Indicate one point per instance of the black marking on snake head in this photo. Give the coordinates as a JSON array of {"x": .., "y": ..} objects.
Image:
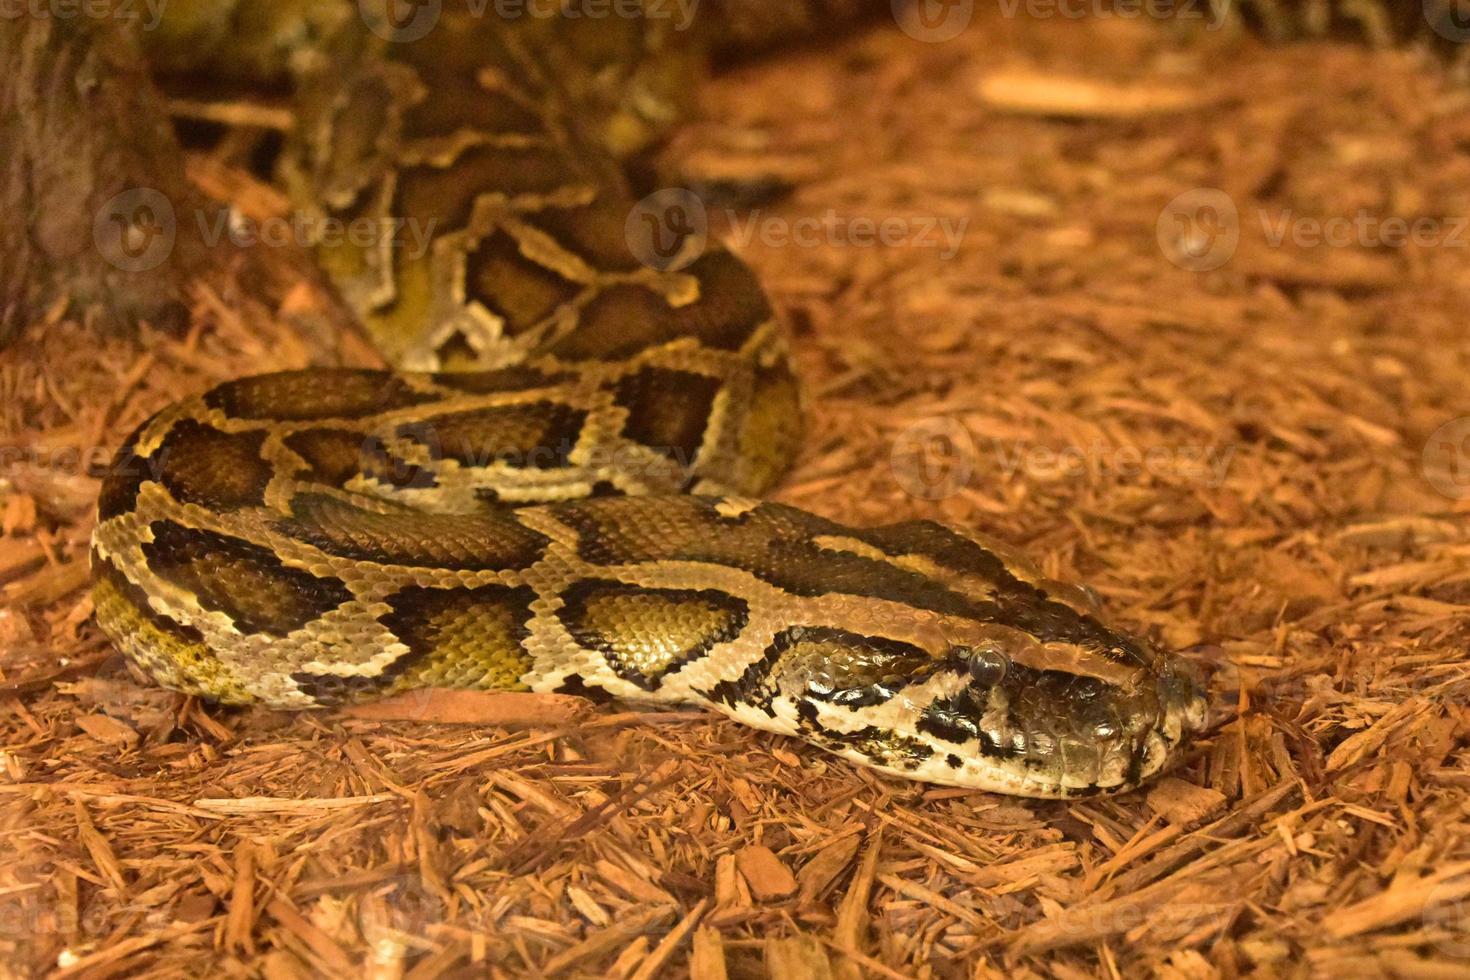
[
  {"x": 956, "y": 720},
  {"x": 883, "y": 746},
  {"x": 849, "y": 670}
]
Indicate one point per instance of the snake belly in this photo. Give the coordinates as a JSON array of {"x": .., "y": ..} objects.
[{"x": 580, "y": 513}]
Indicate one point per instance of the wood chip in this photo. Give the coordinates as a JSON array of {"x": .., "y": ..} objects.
[
  {"x": 797, "y": 958},
  {"x": 769, "y": 879},
  {"x": 109, "y": 730},
  {"x": 1257, "y": 464},
  {"x": 1048, "y": 94},
  {"x": 1180, "y": 802},
  {"x": 450, "y": 707}
]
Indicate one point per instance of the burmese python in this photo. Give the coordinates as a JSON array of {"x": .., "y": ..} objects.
[{"x": 573, "y": 515}]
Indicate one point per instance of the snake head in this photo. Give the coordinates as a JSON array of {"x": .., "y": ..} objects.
[
  {"x": 1052, "y": 718},
  {"x": 993, "y": 677}
]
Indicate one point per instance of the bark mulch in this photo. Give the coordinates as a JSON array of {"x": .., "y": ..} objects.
[{"x": 1244, "y": 422}]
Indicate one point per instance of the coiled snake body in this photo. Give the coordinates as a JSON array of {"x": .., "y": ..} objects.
[{"x": 578, "y": 515}]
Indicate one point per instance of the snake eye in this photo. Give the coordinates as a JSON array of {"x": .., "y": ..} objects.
[{"x": 987, "y": 664}]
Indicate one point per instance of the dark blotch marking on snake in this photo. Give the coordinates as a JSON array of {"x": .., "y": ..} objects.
[
  {"x": 460, "y": 637},
  {"x": 539, "y": 435},
  {"x": 332, "y": 456},
  {"x": 246, "y": 582},
  {"x": 461, "y": 542},
  {"x": 224, "y": 471},
  {"x": 125, "y": 477},
  {"x": 519, "y": 291},
  {"x": 320, "y": 393},
  {"x": 1016, "y": 603},
  {"x": 667, "y": 410},
  {"x": 881, "y": 745},
  {"x": 646, "y": 634}
]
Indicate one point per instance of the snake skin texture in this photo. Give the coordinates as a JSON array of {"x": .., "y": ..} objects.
[{"x": 578, "y": 513}]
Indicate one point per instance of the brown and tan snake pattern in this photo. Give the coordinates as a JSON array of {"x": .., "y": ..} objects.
[{"x": 579, "y": 512}]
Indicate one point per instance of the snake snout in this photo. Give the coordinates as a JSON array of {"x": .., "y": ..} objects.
[{"x": 1182, "y": 695}]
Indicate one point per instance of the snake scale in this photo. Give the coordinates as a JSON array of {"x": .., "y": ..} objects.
[{"x": 580, "y": 511}]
